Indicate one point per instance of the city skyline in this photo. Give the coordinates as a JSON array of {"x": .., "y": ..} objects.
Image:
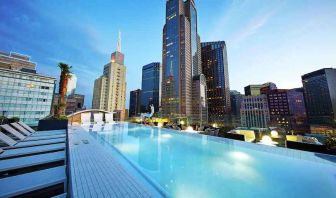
[{"x": 286, "y": 38}]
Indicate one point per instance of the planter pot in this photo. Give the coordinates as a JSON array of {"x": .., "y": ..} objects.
[{"x": 46, "y": 125}]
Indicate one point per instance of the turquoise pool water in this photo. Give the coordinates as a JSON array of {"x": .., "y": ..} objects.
[{"x": 198, "y": 166}]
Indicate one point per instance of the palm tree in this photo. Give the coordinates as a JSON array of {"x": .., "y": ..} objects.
[{"x": 65, "y": 76}]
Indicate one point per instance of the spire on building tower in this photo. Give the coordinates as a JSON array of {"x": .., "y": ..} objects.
[{"x": 119, "y": 42}]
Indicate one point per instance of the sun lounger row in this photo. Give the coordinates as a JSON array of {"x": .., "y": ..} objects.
[
  {"x": 28, "y": 140},
  {"x": 32, "y": 164},
  {"x": 97, "y": 118}
]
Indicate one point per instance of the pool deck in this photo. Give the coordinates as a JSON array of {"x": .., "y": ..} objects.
[{"x": 97, "y": 172}]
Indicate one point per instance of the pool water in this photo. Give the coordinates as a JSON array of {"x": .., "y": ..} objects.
[{"x": 197, "y": 166}]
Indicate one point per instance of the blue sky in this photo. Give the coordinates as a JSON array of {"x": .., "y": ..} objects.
[{"x": 276, "y": 40}]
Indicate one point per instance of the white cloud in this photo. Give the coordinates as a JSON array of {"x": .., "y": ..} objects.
[{"x": 252, "y": 28}]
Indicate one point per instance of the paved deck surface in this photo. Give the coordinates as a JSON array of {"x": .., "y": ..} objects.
[{"x": 96, "y": 172}]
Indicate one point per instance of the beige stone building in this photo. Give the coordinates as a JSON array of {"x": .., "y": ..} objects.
[{"x": 109, "y": 91}]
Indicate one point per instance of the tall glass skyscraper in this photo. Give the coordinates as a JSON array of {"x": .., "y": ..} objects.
[
  {"x": 215, "y": 69},
  {"x": 236, "y": 100},
  {"x": 150, "y": 86},
  {"x": 320, "y": 96},
  {"x": 134, "y": 103},
  {"x": 181, "y": 59}
]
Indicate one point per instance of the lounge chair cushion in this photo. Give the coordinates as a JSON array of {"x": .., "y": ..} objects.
[
  {"x": 26, "y": 127},
  {"x": 22, "y": 162},
  {"x": 108, "y": 117},
  {"x": 98, "y": 117},
  {"x": 16, "y": 152},
  {"x": 13, "y": 131},
  {"x": 85, "y": 117},
  {"x": 7, "y": 140},
  {"x": 25, "y": 183},
  {"x": 21, "y": 129}
]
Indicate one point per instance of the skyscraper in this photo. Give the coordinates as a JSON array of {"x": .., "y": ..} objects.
[
  {"x": 151, "y": 86},
  {"x": 320, "y": 96},
  {"x": 72, "y": 84},
  {"x": 257, "y": 89},
  {"x": 199, "y": 101},
  {"x": 215, "y": 69},
  {"x": 255, "y": 112},
  {"x": 236, "y": 99},
  {"x": 298, "y": 120},
  {"x": 23, "y": 93},
  {"x": 74, "y": 103},
  {"x": 255, "y": 109},
  {"x": 135, "y": 101},
  {"x": 180, "y": 57},
  {"x": 110, "y": 89},
  {"x": 279, "y": 107}
]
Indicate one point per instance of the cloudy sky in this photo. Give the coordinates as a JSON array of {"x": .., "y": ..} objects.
[{"x": 276, "y": 40}]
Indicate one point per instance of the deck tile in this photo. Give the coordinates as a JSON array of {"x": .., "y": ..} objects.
[{"x": 95, "y": 172}]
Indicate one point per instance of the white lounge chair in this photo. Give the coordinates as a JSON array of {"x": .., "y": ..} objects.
[
  {"x": 19, "y": 152},
  {"x": 40, "y": 133},
  {"x": 14, "y": 144},
  {"x": 109, "y": 117},
  {"x": 86, "y": 118},
  {"x": 27, "y": 132},
  {"x": 25, "y": 183},
  {"x": 29, "y": 161},
  {"x": 107, "y": 127},
  {"x": 96, "y": 128},
  {"x": 21, "y": 137},
  {"x": 98, "y": 118}
]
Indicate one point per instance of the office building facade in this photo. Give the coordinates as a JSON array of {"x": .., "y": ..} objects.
[
  {"x": 257, "y": 89},
  {"x": 151, "y": 87},
  {"x": 74, "y": 103},
  {"x": 180, "y": 58},
  {"x": 279, "y": 108},
  {"x": 135, "y": 103},
  {"x": 287, "y": 109},
  {"x": 254, "y": 112},
  {"x": 236, "y": 99},
  {"x": 23, "y": 93},
  {"x": 199, "y": 101},
  {"x": 109, "y": 92},
  {"x": 298, "y": 116},
  {"x": 215, "y": 69},
  {"x": 320, "y": 96},
  {"x": 16, "y": 61}
]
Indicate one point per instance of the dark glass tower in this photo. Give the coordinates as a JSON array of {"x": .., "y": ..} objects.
[
  {"x": 236, "y": 99},
  {"x": 150, "y": 86},
  {"x": 215, "y": 69},
  {"x": 180, "y": 57},
  {"x": 191, "y": 14},
  {"x": 320, "y": 96},
  {"x": 134, "y": 106}
]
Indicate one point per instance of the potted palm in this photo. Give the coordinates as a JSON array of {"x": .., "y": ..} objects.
[{"x": 58, "y": 120}]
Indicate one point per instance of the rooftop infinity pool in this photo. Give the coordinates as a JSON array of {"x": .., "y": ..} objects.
[{"x": 193, "y": 165}]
